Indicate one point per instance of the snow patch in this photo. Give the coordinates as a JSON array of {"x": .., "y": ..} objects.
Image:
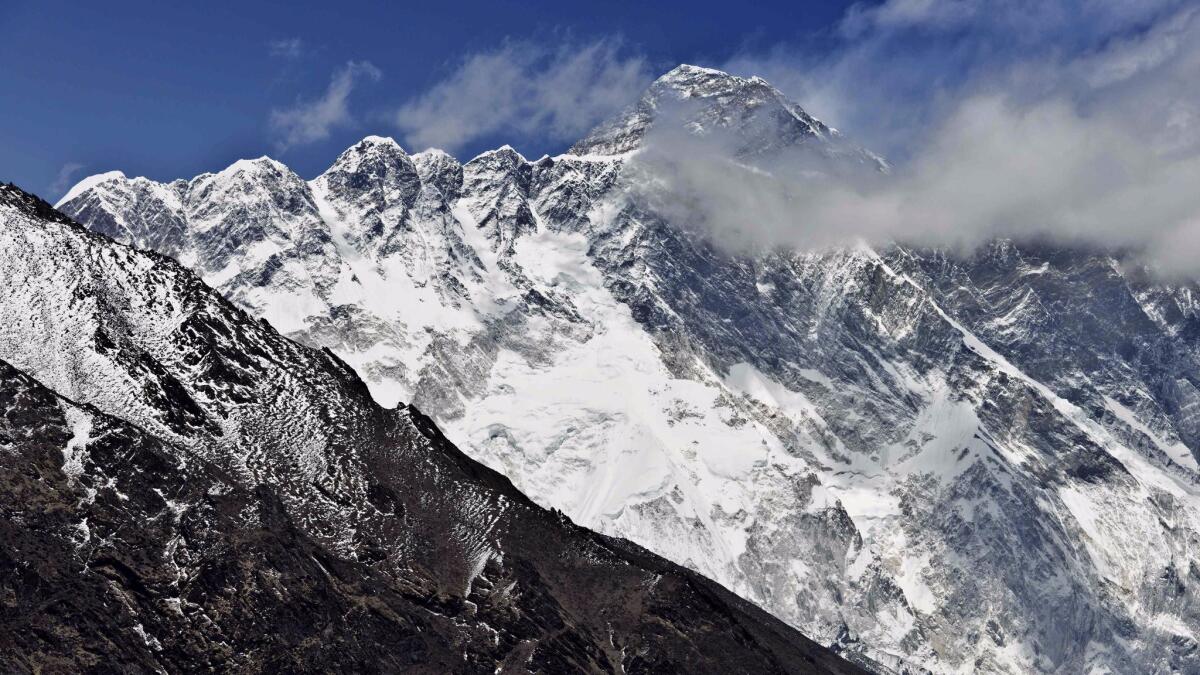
[{"x": 75, "y": 451}]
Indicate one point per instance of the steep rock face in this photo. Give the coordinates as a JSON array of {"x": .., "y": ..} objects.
[
  {"x": 1125, "y": 353},
  {"x": 496, "y": 185},
  {"x": 439, "y": 170},
  {"x": 254, "y": 206},
  {"x": 135, "y": 210},
  {"x": 947, "y": 459},
  {"x": 211, "y": 495},
  {"x": 373, "y": 186},
  {"x": 951, "y": 464}
]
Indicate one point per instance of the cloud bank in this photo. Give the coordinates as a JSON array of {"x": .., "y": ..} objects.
[
  {"x": 311, "y": 121},
  {"x": 525, "y": 91},
  {"x": 1029, "y": 126}
]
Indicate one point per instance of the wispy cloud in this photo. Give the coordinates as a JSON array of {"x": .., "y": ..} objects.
[
  {"x": 897, "y": 68},
  {"x": 64, "y": 178},
  {"x": 310, "y": 121},
  {"x": 525, "y": 90},
  {"x": 1015, "y": 22},
  {"x": 286, "y": 48}
]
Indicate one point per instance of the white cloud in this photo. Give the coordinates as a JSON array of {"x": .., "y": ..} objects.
[
  {"x": 286, "y": 48},
  {"x": 1097, "y": 145},
  {"x": 934, "y": 14},
  {"x": 895, "y": 69},
  {"x": 527, "y": 91},
  {"x": 310, "y": 121},
  {"x": 1016, "y": 21},
  {"x": 63, "y": 180},
  {"x": 994, "y": 169}
]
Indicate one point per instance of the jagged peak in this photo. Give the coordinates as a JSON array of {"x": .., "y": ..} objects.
[
  {"x": 439, "y": 169},
  {"x": 253, "y": 166},
  {"x": 89, "y": 183},
  {"x": 256, "y": 175},
  {"x": 720, "y": 99},
  {"x": 434, "y": 154},
  {"x": 371, "y": 151},
  {"x": 697, "y": 80},
  {"x": 688, "y": 70},
  {"x": 433, "y": 159},
  {"x": 378, "y": 140},
  {"x": 261, "y": 170},
  {"x": 505, "y": 153},
  {"x": 385, "y": 145}
]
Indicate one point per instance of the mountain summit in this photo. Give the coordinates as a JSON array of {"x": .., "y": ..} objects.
[
  {"x": 705, "y": 100},
  {"x": 749, "y": 115}
]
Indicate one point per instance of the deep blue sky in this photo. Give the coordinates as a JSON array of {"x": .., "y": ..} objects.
[{"x": 167, "y": 90}]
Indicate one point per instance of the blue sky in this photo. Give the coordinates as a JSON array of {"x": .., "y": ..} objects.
[
  {"x": 173, "y": 89},
  {"x": 1069, "y": 119}
]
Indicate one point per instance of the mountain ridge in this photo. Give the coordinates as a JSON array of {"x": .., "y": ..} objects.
[
  {"x": 214, "y": 476},
  {"x": 870, "y": 443}
]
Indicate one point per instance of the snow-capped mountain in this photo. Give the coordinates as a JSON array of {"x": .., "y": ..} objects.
[
  {"x": 185, "y": 489},
  {"x": 960, "y": 464}
]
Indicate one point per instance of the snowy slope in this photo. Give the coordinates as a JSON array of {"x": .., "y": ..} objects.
[{"x": 955, "y": 464}]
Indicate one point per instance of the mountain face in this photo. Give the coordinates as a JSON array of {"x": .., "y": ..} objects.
[
  {"x": 185, "y": 489},
  {"x": 983, "y": 463}
]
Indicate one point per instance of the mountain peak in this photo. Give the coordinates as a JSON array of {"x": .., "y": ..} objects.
[
  {"x": 689, "y": 70},
  {"x": 704, "y": 100},
  {"x": 440, "y": 169},
  {"x": 89, "y": 183},
  {"x": 370, "y": 175},
  {"x": 385, "y": 146},
  {"x": 377, "y": 140},
  {"x": 253, "y": 167},
  {"x": 686, "y": 81},
  {"x": 433, "y": 154},
  {"x": 686, "y": 75},
  {"x": 506, "y": 155},
  {"x": 374, "y": 154}
]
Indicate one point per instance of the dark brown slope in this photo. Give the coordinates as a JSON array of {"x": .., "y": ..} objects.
[{"x": 239, "y": 503}]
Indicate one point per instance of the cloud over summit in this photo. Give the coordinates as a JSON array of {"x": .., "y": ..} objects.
[
  {"x": 312, "y": 120},
  {"x": 525, "y": 90},
  {"x": 1094, "y": 141}
]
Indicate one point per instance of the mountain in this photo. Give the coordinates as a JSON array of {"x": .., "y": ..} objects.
[
  {"x": 982, "y": 462},
  {"x": 185, "y": 489},
  {"x": 755, "y": 117}
]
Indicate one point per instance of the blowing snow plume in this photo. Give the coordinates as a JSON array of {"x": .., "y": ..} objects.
[{"x": 524, "y": 90}]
